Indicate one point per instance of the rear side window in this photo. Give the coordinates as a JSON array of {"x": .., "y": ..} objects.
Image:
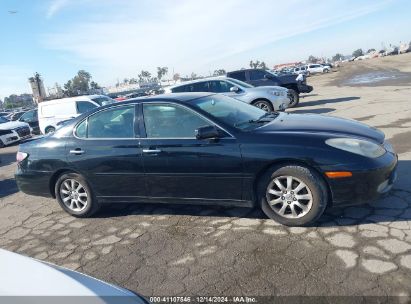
[
  {"x": 112, "y": 123},
  {"x": 219, "y": 86},
  {"x": 84, "y": 106},
  {"x": 237, "y": 75},
  {"x": 257, "y": 75}
]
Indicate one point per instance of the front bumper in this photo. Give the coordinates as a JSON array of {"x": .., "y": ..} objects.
[
  {"x": 364, "y": 185},
  {"x": 305, "y": 88}
]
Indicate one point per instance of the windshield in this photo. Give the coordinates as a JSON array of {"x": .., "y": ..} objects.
[
  {"x": 233, "y": 112},
  {"x": 240, "y": 83},
  {"x": 2, "y": 119},
  {"x": 103, "y": 100}
]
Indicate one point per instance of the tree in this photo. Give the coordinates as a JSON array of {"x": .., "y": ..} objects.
[
  {"x": 80, "y": 84},
  {"x": 94, "y": 85},
  {"x": 358, "y": 53},
  {"x": 370, "y": 50},
  {"x": 144, "y": 76},
  {"x": 258, "y": 65},
  {"x": 161, "y": 71},
  {"x": 193, "y": 75},
  {"x": 126, "y": 81},
  {"x": 132, "y": 81},
  {"x": 313, "y": 59},
  {"x": 338, "y": 57},
  {"x": 176, "y": 77},
  {"x": 219, "y": 72}
]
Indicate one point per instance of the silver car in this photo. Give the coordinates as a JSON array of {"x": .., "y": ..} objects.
[{"x": 269, "y": 98}]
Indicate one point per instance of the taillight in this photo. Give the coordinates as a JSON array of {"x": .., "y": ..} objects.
[{"x": 21, "y": 156}]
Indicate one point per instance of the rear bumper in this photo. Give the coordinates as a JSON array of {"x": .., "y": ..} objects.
[
  {"x": 33, "y": 183},
  {"x": 366, "y": 185}
]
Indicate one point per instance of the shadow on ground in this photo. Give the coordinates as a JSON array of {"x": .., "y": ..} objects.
[
  {"x": 316, "y": 111},
  {"x": 393, "y": 207},
  {"x": 327, "y": 101}
]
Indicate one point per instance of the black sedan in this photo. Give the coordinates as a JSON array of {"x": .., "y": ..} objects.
[{"x": 208, "y": 149}]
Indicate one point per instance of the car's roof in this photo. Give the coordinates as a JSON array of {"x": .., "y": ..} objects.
[
  {"x": 183, "y": 97},
  {"x": 244, "y": 70},
  {"x": 201, "y": 80},
  {"x": 70, "y": 99}
]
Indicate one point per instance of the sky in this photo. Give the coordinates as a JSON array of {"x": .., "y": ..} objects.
[{"x": 116, "y": 39}]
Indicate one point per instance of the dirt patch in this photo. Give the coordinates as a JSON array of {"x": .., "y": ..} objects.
[
  {"x": 401, "y": 142},
  {"x": 386, "y": 71},
  {"x": 397, "y": 124}
]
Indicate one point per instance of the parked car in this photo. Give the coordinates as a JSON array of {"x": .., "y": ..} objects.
[
  {"x": 300, "y": 70},
  {"x": 13, "y": 131},
  {"x": 28, "y": 278},
  {"x": 316, "y": 69},
  {"x": 4, "y": 114},
  {"x": 31, "y": 117},
  {"x": 260, "y": 77},
  {"x": 15, "y": 115},
  {"x": 328, "y": 65},
  {"x": 266, "y": 98},
  {"x": 52, "y": 111},
  {"x": 203, "y": 148},
  {"x": 135, "y": 95}
]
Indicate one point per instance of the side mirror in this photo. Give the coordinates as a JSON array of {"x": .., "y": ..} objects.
[
  {"x": 234, "y": 89},
  {"x": 207, "y": 132}
]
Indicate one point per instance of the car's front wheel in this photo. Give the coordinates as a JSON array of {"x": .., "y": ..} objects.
[
  {"x": 295, "y": 98},
  {"x": 263, "y": 105},
  {"x": 75, "y": 195},
  {"x": 50, "y": 130},
  {"x": 293, "y": 195}
]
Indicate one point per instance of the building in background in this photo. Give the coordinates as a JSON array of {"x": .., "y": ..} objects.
[{"x": 37, "y": 87}]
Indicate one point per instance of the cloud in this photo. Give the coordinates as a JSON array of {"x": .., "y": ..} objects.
[
  {"x": 55, "y": 7},
  {"x": 191, "y": 35}
]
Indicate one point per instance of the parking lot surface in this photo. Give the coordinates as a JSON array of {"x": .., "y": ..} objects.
[{"x": 189, "y": 250}]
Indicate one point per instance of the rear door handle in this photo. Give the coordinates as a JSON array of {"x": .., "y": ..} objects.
[
  {"x": 151, "y": 151},
  {"x": 76, "y": 151}
]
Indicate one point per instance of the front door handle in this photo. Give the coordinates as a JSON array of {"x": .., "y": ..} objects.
[
  {"x": 76, "y": 151},
  {"x": 151, "y": 151}
]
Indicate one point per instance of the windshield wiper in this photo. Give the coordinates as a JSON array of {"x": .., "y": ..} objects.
[{"x": 263, "y": 118}]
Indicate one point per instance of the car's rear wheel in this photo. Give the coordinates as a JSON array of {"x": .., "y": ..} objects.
[
  {"x": 264, "y": 105},
  {"x": 2, "y": 145},
  {"x": 50, "y": 130},
  {"x": 295, "y": 98},
  {"x": 75, "y": 196},
  {"x": 293, "y": 195}
]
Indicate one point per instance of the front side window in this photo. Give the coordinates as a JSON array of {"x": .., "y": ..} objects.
[
  {"x": 112, "y": 123},
  {"x": 84, "y": 106},
  {"x": 29, "y": 116},
  {"x": 238, "y": 75},
  {"x": 171, "y": 121},
  {"x": 257, "y": 75}
]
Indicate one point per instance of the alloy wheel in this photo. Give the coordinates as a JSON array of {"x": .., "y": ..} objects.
[
  {"x": 289, "y": 197},
  {"x": 74, "y": 195},
  {"x": 262, "y": 106}
]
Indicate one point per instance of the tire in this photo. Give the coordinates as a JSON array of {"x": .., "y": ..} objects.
[
  {"x": 295, "y": 98},
  {"x": 49, "y": 130},
  {"x": 308, "y": 73},
  {"x": 2, "y": 145},
  {"x": 315, "y": 189},
  {"x": 264, "y": 105},
  {"x": 326, "y": 70},
  {"x": 80, "y": 205}
]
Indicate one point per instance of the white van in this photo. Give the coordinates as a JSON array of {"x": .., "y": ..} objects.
[{"x": 54, "y": 111}]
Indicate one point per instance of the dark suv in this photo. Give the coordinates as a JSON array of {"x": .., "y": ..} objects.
[{"x": 260, "y": 77}]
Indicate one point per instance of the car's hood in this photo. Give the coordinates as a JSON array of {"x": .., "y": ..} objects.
[
  {"x": 12, "y": 125},
  {"x": 315, "y": 123},
  {"x": 23, "y": 276}
]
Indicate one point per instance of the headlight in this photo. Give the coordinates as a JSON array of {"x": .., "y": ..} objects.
[{"x": 357, "y": 146}]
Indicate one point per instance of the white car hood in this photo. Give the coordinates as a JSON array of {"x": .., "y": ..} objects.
[
  {"x": 12, "y": 125},
  {"x": 23, "y": 276}
]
